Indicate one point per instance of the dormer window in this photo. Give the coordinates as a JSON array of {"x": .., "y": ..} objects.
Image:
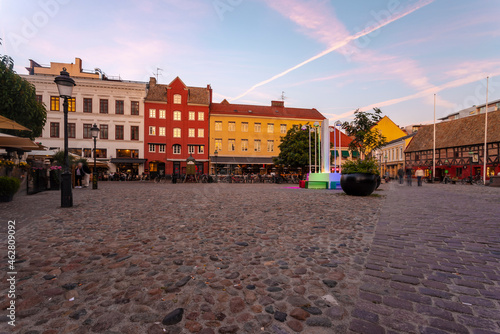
[{"x": 177, "y": 99}]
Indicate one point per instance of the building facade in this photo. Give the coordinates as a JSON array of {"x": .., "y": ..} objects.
[
  {"x": 459, "y": 146},
  {"x": 391, "y": 156},
  {"x": 176, "y": 127},
  {"x": 246, "y": 138},
  {"x": 115, "y": 106}
]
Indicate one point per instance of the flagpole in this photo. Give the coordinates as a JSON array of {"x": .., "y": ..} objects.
[
  {"x": 485, "y": 154},
  {"x": 434, "y": 144}
]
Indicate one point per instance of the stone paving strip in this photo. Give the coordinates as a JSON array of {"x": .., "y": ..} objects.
[
  {"x": 210, "y": 258},
  {"x": 434, "y": 264}
]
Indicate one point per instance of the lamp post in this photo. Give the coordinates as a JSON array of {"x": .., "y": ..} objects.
[
  {"x": 339, "y": 124},
  {"x": 65, "y": 86},
  {"x": 94, "y": 130},
  {"x": 308, "y": 128},
  {"x": 316, "y": 125},
  {"x": 334, "y": 151}
]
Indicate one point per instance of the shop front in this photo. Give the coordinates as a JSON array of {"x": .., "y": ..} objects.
[
  {"x": 241, "y": 165},
  {"x": 130, "y": 168}
]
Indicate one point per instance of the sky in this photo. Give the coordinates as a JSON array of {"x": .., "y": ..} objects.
[{"x": 335, "y": 56}]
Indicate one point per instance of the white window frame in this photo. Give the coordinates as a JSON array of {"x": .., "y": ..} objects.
[
  {"x": 177, "y": 98},
  {"x": 218, "y": 125},
  {"x": 152, "y": 130},
  {"x": 231, "y": 126},
  {"x": 174, "y": 147},
  {"x": 191, "y": 132},
  {"x": 161, "y": 148},
  {"x": 257, "y": 127},
  {"x": 177, "y": 115},
  {"x": 257, "y": 147},
  {"x": 191, "y": 116},
  {"x": 201, "y": 149},
  {"x": 177, "y": 133},
  {"x": 152, "y": 148},
  {"x": 231, "y": 145},
  {"x": 162, "y": 131},
  {"x": 270, "y": 127},
  {"x": 244, "y": 126},
  {"x": 201, "y": 133},
  {"x": 218, "y": 144},
  {"x": 152, "y": 113},
  {"x": 162, "y": 113},
  {"x": 244, "y": 148},
  {"x": 201, "y": 116},
  {"x": 283, "y": 129},
  {"x": 191, "y": 149},
  {"x": 270, "y": 142}
]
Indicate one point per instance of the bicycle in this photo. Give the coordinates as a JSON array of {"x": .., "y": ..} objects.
[{"x": 160, "y": 179}]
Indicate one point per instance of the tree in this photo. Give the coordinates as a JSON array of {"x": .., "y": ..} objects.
[
  {"x": 18, "y": 101},
  {"x": 294, "y": 148},
  {"x": 365, "y": 138}
]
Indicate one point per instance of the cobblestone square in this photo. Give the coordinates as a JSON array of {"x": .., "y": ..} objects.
[{"x": 255, "y": 258}]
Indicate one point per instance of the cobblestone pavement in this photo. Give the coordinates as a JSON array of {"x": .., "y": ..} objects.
[
  {"x": 237, "y": 258},
  {"x": 434, "y": 264}
]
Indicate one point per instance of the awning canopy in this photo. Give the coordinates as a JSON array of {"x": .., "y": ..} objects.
[
  {"x": 18, "y": 143},
  {"x": 345, "y": 154},
  {"x": 355, "y": 154},
  {"x": 127, "y": 161},
  {"x": 6, "y": 123},
  {"x": 242, "y": 160}
]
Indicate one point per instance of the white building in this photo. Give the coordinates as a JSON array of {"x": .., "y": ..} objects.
[{"x": 116, "y": 106}]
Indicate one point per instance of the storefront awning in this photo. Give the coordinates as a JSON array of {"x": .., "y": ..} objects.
[
  {"x": 242, "y": 160},
  {"x": 18, "y": 143},
  {"x": 127, "y": 161},
  {"x": 345, "y": 154},
  {"x": 355, "y": 154}
]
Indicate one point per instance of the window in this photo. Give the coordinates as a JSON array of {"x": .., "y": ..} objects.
[
  {"x": 87, "y": 153},
  {"x": 152, "y": 148},
  {"x": 177, "y": 99},
  {"x": 177, "y": 149},
  {"x": 244, "y": 145},
  {"x": 283, "y": 129},
  {"x": 101, "y": 153},
  {"x": 71, "y": 130},
  {"x": 201, "y": 116},
  {"x": 270, "y": 127},
  {"x": 218, "y": 145},
  {"x": 244, "y": 126},
  {"x": 152, "y": 130},
  {"x": 127, "y": 153},
  {"x": 103, "y": 106},
  {"x": 87, "y": 105},
  {"x": 162, "y": 114},
  {"x": 256, "y": 145},
  {"x": 54, "y": 130},
  {"x": 104, "y": 131},
  {"x": 177, "y": 115},
  {"x": 231, "y": 126},
  {"x": 191, "y": 149},
  {"x": 72, "y": 104},
  {"x": 230, "y": 145},
  {"x": 152, "y": 113},
  {"x": 119, "y": 132},
  {"x": 161, "y": 148},
  {"x": 162, "y": 131},
  {"x": 191, "y": 133},
  {"x": 256, "y": 127},
  {"x": 177, "y": 133},
  {"x": 192, "y": 116},
  {"x": 86, "y": 131},
  {"x": 134, "y": 108},
  {"x": 134, "y": 133},
  {"x": 201, "y": 133},
  {"x": 54, "y": 103},
  {"x": 119, "y": 107},
  {"x": 39, "y": 98},
  {"x": 218, "y": 126},
  {"x": 201, "y": 149},
  {"x": 270, "y": 146}
]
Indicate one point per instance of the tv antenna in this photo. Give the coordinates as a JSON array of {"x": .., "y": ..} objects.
[
  {"x": 282, "y": 96},
  {"x": 157, "y": 74}
]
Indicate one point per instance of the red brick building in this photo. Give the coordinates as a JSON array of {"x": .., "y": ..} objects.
[{"x": 176, "y": 123}]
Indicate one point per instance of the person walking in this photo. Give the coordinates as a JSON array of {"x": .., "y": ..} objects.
[
  {"x": 86, "y": 176},
  {"x": 79, "y": 175},
  {"x": 419, "y": 174},
  {"x": 408, "y": 177},
  {"x": 401, "y": 175}
]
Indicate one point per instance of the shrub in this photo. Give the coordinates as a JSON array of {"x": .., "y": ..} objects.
[
  {"x": 9, "y": 185},
  {"x": 360, "y": 166}
]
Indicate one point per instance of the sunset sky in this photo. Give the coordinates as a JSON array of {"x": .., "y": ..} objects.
[{"x": 335, "y": 56}]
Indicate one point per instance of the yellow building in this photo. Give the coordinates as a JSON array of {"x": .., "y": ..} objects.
[
  {"x": 389, "y": 129},
  {"x": 246, "y": 138}
]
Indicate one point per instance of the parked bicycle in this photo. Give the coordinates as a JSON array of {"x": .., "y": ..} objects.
[
  {"x": 473, "y": 179},
  {"x": 160, "y": 179}
]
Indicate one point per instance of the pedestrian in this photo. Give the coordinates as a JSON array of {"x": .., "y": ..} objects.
[
  {"x": 79, "y": 175},
  {"x": 419, "y": 174},
  {"x": 401, "y": 175},
  {"x": 86, "y": 175},
  {"x": 408, "y": 177}
]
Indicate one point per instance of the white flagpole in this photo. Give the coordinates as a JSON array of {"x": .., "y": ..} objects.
[
  {"x": 485, "y": 153},
  {"x": 434, "y": 144}
]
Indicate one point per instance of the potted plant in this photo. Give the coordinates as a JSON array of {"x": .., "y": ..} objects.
[
  {"x": 55, "y": 177},
  {"x": 361, "y": 177},
  {"x": 8, "y": 187}
]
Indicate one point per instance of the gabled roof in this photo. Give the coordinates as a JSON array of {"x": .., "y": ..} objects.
[
  {"x": 455, "y": 133},
  {"x": 226, "y": 108},
  {"x": 158, "y": 92},
  {"x": 345, "y": 140}
]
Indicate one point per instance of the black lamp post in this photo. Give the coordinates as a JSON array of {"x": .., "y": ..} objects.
[
  {"x": 65, "y": 86},
  {"x": 94, "y": 130},
  {"x": 216, "y": 153}
]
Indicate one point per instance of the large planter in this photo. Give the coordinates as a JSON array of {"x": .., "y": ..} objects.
[
  {"x": 6, "y": 198},
  {"x": 358, "y": 184}
]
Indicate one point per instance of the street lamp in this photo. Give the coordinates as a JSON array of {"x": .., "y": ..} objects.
[
  {"x": 308, "y": 128},
  {"x": 339, "y": 124},
  {"x": 94, "y": 130},
  {"x": 316, "y": 126},
  {"x": 65, "y": 86}
]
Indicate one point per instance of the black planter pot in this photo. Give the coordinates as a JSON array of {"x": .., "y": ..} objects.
[
  {"x": 6, "y": 198},
  {"x": 359, "y": 184},
  {"x": 379, "y": 180}
]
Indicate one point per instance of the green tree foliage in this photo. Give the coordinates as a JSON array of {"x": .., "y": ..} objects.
[
  {"x": 365, "y": 138},
  {"x": 6, "y": 60},
  {"x": 294, "y": 148},
  {"x": 18, "y": 102}
]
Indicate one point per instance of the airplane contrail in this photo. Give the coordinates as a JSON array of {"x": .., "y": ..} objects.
[{"x": 338, "y": 45}]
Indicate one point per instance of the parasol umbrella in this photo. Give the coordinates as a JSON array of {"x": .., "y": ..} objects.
[{"x": 6, "y": 123}]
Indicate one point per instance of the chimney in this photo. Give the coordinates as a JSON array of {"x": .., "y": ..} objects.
[{"x": 280, "y": 104}]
